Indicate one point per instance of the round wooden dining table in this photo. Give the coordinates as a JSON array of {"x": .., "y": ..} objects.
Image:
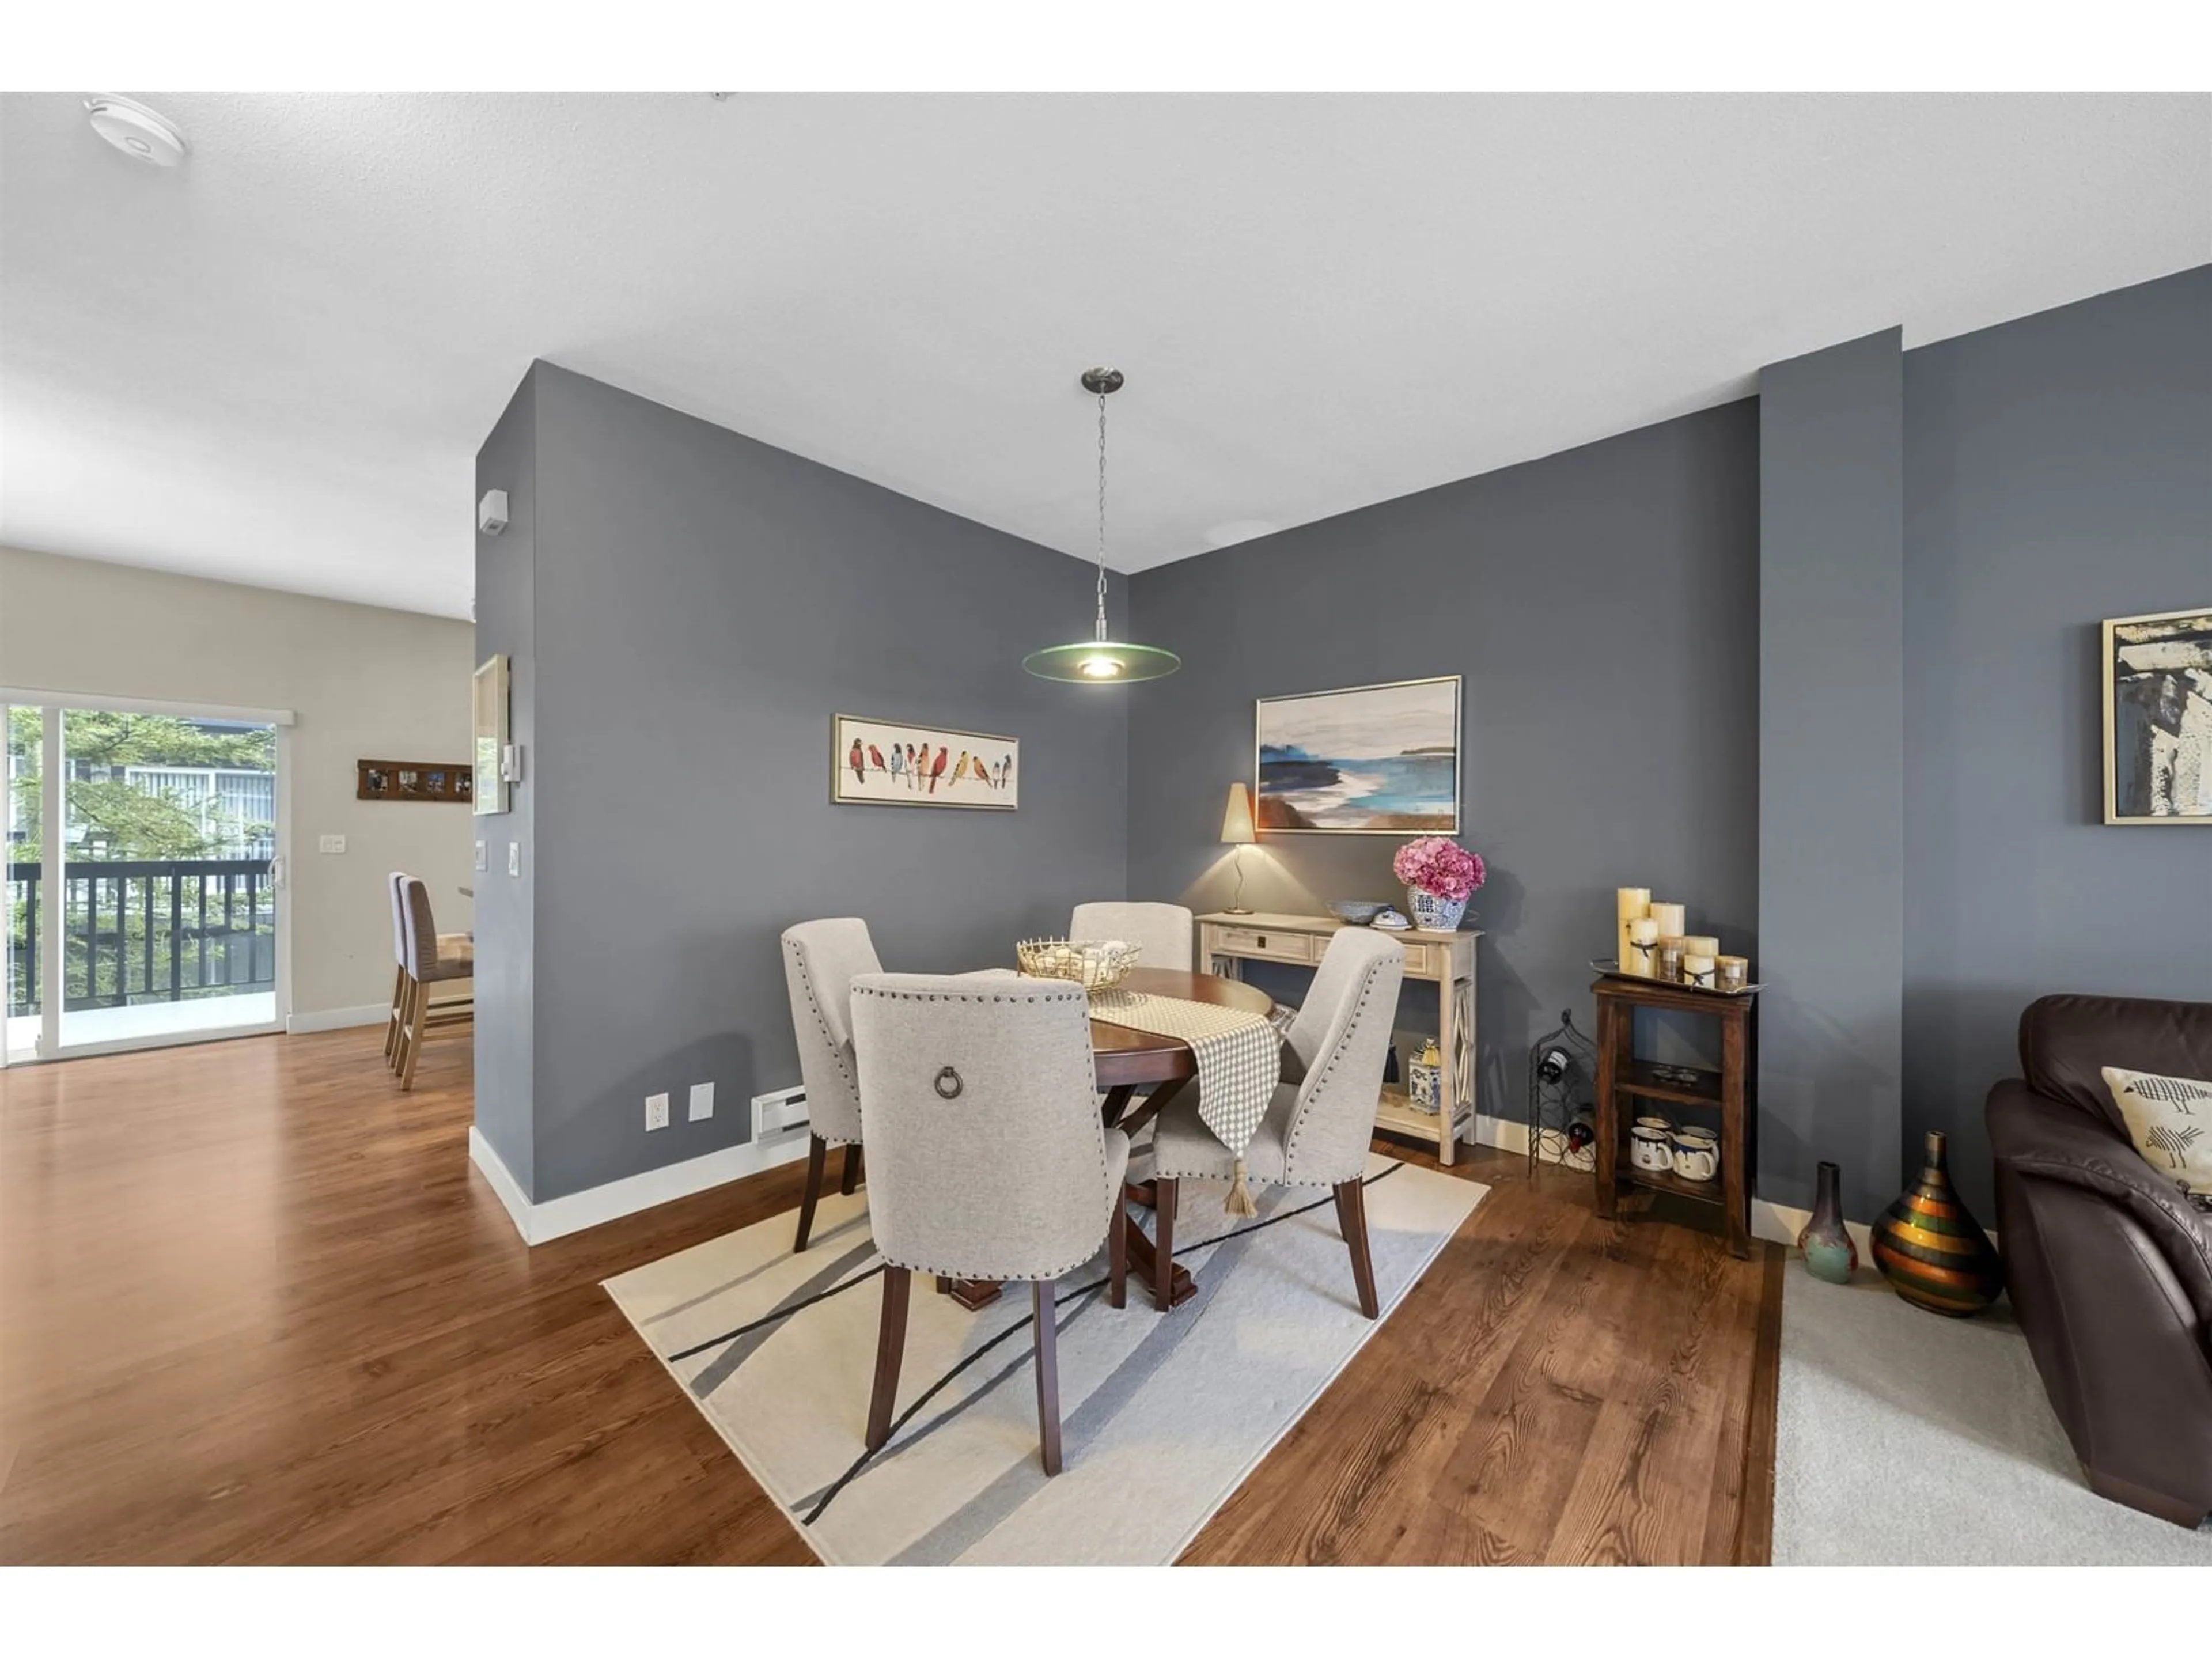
[{"x": 1126, "y": 1060}]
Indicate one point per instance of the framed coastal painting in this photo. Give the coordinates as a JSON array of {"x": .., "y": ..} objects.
[
  {"x": 2157, "y": 673},
  {"x": 889, "y": 763},
  {"x": 1370, "y": 760}
]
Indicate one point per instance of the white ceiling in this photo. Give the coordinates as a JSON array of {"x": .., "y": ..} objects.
[{"x": 274, "y": 365}]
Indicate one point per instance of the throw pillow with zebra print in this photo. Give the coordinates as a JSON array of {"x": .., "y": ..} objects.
[{"x": 2170, "y": 1120}]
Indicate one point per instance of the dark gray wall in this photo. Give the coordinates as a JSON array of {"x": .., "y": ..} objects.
[
  {"x": 504, "y": 907},
  {"x": 1832, "y": 770},
  {"x": 2059, "y": 471},
  {"x": 1602, "y": 607},
  {"x": 704, "y": 604}
]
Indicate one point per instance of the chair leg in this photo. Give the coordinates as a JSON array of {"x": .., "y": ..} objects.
[
  {"x": 412, "y": 1033},
  {"x": 890, "y": 1346},
  {"x": 391, "y": 1026},
  {"x": 1163, "y": 1210},
  {"x": 817, "y": 1151},
  {"x": 1117, "y": 1255},
  {"x": 851, "y": 1177},
  {"x": 1047, "y": 1371},
  {"x": 1352, "y": 1219}
]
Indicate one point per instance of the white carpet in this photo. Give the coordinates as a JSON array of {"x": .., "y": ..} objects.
[
  {"x": 1162, "y": 1415},
  {"x": 1905, "y": 1438}
]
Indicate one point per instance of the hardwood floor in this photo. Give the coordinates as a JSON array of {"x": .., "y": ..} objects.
[{"x": 255, "y": 1305}]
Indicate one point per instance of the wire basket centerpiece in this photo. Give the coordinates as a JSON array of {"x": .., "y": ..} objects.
[{"x": 1095, "y": 964}]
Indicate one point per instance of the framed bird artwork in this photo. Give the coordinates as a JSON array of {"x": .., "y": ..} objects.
[{"x": 886, "y": 763}]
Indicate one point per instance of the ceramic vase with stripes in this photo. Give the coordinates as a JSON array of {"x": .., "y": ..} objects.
[{"x": 1931, "y": 1250}]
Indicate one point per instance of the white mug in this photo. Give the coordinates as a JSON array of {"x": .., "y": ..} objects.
[
  {"x": 1697, "y": 1155},
  {"x": 1648, "y": 1151}
]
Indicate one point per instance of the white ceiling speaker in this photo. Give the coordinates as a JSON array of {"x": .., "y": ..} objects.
[
  {"x": 491, "y": 511},
  {"x": 137, "y": 131}
]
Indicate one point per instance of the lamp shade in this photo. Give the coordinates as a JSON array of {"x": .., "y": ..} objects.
[{"x": 1237, "y": 817}]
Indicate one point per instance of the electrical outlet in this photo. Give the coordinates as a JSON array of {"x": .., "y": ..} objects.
[
  {"x": 482, "y": 863},
  {"x": 333, "y": 843},
  {"x": 514, "y": 858},
  {"x": 702, "y": 1101},
  {"x": 656, "y": 1112}
]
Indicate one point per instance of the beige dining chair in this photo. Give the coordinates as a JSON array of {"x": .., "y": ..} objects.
[
  {"x": 1318, "y": 1125},
  {"x": 428, "y": 957},
  {"x": 986, "y": 1156},
  {"x": 1163, "y": 932},
  {"x": 452, "y": 947},
  {"x": 821, "y": 959}
]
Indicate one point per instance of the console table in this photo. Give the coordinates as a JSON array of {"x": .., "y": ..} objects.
[{"x": 1226, "y": 940}]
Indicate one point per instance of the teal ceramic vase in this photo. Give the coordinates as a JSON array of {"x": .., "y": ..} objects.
[{"x": 1826, "y": 1242}]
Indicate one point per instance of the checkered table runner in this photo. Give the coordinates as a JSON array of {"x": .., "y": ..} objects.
[{"x": 1239, "y": 1063}]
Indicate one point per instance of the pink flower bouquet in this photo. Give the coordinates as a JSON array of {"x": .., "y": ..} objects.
[{"x": 1439, "y": 867}]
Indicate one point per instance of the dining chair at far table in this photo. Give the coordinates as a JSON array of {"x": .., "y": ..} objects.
[
  {"x": 987, "y": 1158},
  {"x": 1318, "y": 1122},
  {"x": 1163, "y": 932},
  {"x": 821, "y": 960},
  {"x": 427, "y": 957}
]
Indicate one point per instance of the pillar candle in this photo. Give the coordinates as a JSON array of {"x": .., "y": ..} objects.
[
  {"x": 1630, "y": 904},
  {"x": 1700, "y": 945},
  {"x": 1674, "y": 920},
  {"x": 1643, "y": 935},
  {"x": 1698, "y": 969}
]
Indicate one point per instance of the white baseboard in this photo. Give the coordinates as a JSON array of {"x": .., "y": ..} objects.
[
  {"x": 557, "y": 1218},
  {"x": 339, "y": 1019}
]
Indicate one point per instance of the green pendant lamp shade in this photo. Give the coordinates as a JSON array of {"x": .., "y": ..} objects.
[{"x": 1099, "y": 660}]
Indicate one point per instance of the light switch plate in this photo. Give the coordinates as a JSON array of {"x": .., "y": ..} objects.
[
  {"x": 514, "y": 858},
  {"x": 656, "y": 1111},
  {"x": 333, "y": 843},
  {"x": 702, "y": 1101},
  {"x": 482, "y": 862}
]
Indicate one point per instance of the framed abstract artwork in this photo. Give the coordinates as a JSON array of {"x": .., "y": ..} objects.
[
  {"x": 1370, "y": 760},
  {"x": 890, "y": 763},
  {"x": 488, "y": 720},
  {"x": 2157, "y": 674}
]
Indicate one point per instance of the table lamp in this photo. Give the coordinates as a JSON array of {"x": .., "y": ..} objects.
[{"x": 1237, "y": 831}]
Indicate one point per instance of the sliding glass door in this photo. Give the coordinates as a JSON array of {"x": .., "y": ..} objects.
[{"x": 154, "y": 910}]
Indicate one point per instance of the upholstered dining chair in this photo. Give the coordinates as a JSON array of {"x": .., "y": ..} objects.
[
  {"x": 986, "y": 1156},
  {"x": 821, "y": 959},
  {"x": 1319, "y": 1123},
  {"x": 1163, "y": 932},
  {"x": 428, "y": 957}
]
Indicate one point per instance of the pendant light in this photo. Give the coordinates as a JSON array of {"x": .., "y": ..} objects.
[{"x": 1099, "y": 660}]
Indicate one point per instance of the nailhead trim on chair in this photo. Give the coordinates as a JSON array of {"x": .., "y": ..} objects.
[
  {"x": 837, "y": 1050},
  {"x": 1078, "y": 995}
]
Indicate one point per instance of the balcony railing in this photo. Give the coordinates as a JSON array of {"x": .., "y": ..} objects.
[{"x": 164, "y": 930}]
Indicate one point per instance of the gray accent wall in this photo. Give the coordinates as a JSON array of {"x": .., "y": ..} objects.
[
  {"x": 704, "y": 603},
  {"x": 1602, "y": 605},
  {"x": 2059, "y": 471},
  {"x": 1830, "y": 770},
  {"x": 505, "y": 910}
]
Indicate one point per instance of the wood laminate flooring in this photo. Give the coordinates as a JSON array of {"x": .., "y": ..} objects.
[{"x": 256, "y": 1305}]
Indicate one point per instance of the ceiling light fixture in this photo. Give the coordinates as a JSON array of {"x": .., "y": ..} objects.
[
  {"x": 137, "y": 131},
  {"x": 1099, "y": 660}
]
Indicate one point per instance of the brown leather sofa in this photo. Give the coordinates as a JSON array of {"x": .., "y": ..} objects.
[{"x": 2109, "y": 1265}]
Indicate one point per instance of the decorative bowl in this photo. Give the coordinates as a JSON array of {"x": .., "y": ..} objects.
[
  {"x": 1095, "y": 964},
  {"x": 1357, "y": 912}
]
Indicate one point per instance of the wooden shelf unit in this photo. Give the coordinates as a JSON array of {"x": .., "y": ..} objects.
[
  {"x": 1622, "y": 1079},
  {"x": 1226, "y": 942}
]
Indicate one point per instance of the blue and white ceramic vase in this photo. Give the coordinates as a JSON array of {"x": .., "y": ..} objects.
[{"x": 1436, "y": 915}]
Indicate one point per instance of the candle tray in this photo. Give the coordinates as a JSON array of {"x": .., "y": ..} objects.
[{"x": 1611, "y": 967}]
